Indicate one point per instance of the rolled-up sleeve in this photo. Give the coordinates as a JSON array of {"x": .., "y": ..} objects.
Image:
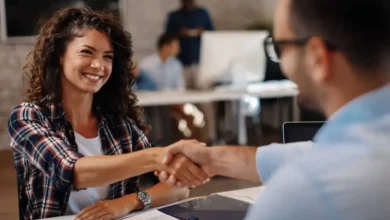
[
  {"x": 272, "y": 157},
  {"x": 41, "y": 146}
]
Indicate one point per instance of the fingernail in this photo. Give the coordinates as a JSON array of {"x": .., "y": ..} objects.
[
  {"x": 165, "y": 159},
  {"x": 203, "y": 144}
]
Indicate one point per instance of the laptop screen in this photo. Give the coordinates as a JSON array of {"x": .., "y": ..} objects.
[{"x": 300, "y": 131}]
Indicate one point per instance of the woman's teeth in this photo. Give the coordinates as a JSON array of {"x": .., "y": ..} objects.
[{"x": 92, "y": 77}]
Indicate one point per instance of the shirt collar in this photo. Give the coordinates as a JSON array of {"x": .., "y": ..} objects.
[{"x": 365, "y": 108}]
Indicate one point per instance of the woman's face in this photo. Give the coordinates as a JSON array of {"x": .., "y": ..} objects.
[{"x": 87, "y": 62}]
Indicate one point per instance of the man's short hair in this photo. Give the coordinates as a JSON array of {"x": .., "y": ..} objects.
[
  {"x": 165, "y": 39},
  {"x": 358, "y": 28}
]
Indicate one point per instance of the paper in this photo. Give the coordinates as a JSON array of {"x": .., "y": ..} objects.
[
  {"x": 151, "y": 215},
  {"x": 248, "y": 195}
]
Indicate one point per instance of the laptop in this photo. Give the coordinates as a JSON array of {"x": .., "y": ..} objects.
[
  {"x": 300, "y": 131},
  {"x": 213, "y": 207}
]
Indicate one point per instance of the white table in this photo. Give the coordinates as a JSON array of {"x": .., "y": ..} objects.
[
  {"x": 264, "y": 90},
  {"x": 248, "y": 195}
]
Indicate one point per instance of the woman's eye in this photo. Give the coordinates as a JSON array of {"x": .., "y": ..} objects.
[
  {"x": 86, "y": 51},
  {"x": 109, "y": 57}
]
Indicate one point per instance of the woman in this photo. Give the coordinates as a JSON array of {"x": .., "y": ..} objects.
[{"x": 77, "y": 139}]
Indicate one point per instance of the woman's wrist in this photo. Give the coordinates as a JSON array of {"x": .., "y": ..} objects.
[{"x": 132, "y": 203}]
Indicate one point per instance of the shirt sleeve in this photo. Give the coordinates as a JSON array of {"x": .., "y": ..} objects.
[
  {"x": 209, "y": 21},
  {"x": 289, "y": 195},
  {"x": 138, "y": 138},
  {"x": 41, "y": 146},
  {"x": 171, "y": 26},
  {"x": 272, "y": 157}
]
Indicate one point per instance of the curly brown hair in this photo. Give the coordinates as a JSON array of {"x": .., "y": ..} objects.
[{"x": 43, "y": 68}]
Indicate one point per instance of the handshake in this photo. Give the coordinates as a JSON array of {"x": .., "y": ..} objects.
[{"x": 186, "y": 163}]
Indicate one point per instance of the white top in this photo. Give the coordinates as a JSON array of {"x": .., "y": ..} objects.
[
  {"x": 84, "y": 198},
  {"x": 168, "y": 75}
]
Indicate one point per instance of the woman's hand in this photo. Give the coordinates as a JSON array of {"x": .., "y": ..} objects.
[{"x": 106, "y": 210}]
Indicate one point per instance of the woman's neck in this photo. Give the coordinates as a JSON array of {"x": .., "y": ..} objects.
[{"x": 78, "y": 108}]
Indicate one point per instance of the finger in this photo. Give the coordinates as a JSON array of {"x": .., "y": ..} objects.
[
  {"x": 86, "y": 211},
  {"x": 176, "y": 148},
  {"x": 98, "y": 215},
  {"x": 156, "y": 173},
  {"x": 180, "y": 184},
  {"x": 168, "y": 157},
  {"x": 106, "y": 217},
  {"x": 198, "y": 173},
  {"x": 163, "y": 176},
  {"x": 171, "y": 180}
]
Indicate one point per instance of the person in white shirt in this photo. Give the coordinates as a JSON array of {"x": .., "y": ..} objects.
[{"x": 163, "y": 67}]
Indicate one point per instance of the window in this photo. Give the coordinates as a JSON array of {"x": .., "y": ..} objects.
[{"x": 23, "y": 16}]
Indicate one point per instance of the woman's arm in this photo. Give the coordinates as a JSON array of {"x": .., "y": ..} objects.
[
  {"x": 49, "y": 153},
  {"x": 161, "y": 194},
  {"x": 104, "y": 170}
]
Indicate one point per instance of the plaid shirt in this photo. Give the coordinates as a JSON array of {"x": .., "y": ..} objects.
[{"x": 45, "y": 153}]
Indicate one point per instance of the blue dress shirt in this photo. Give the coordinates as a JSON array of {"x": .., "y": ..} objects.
[{"x": 344, "y": 176}]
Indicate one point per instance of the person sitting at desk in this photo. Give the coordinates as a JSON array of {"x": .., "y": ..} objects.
[
  {"x": 163, "y": 67},
  {"x": 340, "y": 62},
  {"x": 78, "y": 143},
  {"x": 143, "y": 82}
]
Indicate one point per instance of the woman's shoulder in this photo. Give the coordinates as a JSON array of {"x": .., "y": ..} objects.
[{"x": 29, "y": 111}]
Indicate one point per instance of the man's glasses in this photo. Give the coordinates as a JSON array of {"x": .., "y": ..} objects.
[{"x": 273, "y": 48}]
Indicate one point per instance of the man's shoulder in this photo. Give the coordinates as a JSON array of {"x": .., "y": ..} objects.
[{"x": 202, "y": 10}]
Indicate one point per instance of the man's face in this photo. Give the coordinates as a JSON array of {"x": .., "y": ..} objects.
[
  {"x": 173, "y": 48},
  {"x": 293, "y": 59}
]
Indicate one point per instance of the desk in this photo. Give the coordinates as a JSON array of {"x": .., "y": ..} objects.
[
  {"x": 248, "y": 195},
  {"x": 264, "y": 90}
]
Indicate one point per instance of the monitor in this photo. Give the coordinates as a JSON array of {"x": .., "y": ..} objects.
[
  {"x": 231, "y": 56},
  {"x": 300, "y": 131}
]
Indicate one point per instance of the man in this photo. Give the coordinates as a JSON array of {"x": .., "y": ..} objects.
[
  {"x": 189, "y": 22},
  {"x": 163, "y": 67},
  {"x": 340, "y": 61},
  {"x": 143, "y": 82}
]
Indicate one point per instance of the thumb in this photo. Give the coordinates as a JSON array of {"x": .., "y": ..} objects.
[
  {"x": 171, "y": 151},
  {"x": 167, "y": 158}
]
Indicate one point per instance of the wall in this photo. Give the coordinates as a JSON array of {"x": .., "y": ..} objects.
[{"x": 145, "y": 19}]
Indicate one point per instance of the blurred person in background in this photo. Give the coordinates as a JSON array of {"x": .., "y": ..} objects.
[
  {"x": 163, "y": 66},
  {"x": 143, "y": 82},
  {"x": 189, "y": 22}
]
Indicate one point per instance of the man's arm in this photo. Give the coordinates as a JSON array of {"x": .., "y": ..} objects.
[
  {"x": 235, "y": 162},
  {"x": 248, "y": 163}
]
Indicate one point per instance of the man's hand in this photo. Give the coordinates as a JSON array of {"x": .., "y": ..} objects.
[
  {"x": 197, "y": 152},
  {"x": 106, "y": 210},
  {"x": 189, "y": 174}
]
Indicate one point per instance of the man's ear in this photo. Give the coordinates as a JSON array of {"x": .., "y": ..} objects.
[{"x": 317, "y": 56}]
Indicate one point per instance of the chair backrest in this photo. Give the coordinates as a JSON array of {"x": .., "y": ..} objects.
[{"x": 300, "y": 131}]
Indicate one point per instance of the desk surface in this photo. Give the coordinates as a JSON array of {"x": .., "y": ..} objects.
[
  {"x": 225, "y": 93},
  {"x": 248, "y": 195}
]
